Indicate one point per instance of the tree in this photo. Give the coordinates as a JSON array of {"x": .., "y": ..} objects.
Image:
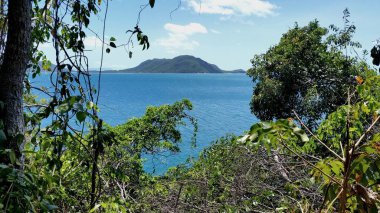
[
  {"x": 279, "y": 166},
  {"x": 305, "y": 72},
  {"x": 348, "y": 170},
  {"x": 20, "y": 50},
  {"x": 121, "y": 178},
  {"x": 72, "y": 99},
  {"x": 375, "y": 54},
  {"x": 12, "y": 73}
]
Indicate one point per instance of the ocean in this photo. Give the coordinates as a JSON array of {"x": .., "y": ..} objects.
[{"x": 220, "y": 105}]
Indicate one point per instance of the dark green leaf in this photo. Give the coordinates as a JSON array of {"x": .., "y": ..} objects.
[
  {"x": 61, "y": 67},
  {"x": 151, "y": 3},
  {"x": 69, "y": 67},
  {"x": 2, "y": 136},
  {"x": 12, "y": 156},
  {"x": 51, "y": 207},
  {"x": 81, "y": 116}
]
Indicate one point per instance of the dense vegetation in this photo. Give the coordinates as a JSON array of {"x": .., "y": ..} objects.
[
  {"x": 318, "y": 151},
  {"x": 306, "y": 72}
]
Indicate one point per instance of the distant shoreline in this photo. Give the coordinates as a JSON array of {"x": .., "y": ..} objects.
[{"x": 117, "y": 72}]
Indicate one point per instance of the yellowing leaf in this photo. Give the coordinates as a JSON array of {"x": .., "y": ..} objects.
[
  {"x": 376, "y": 146},
  {"x": 359, "y": 79},
  {"x": 358, "y": 177},
  {"x": 375, "y": 116}
]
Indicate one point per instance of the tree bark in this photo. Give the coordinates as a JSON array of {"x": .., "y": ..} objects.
[{"x": 12, "y": 72}]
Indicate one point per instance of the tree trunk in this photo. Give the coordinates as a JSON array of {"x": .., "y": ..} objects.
[{"x": 12, "y": 72}]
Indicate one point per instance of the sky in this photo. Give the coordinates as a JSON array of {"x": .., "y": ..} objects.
[{"x": 227, "y": 33}]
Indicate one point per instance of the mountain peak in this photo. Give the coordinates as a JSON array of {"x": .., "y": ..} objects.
[{"x": 185, "y": 56}]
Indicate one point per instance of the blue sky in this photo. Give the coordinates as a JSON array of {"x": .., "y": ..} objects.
[{"x": 227, "y": 33}]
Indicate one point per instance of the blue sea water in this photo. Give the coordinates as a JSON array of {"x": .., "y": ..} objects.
[{"x": 220, "y": 105}]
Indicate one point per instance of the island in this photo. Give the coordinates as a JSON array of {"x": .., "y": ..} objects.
[{"x": 179, "y": 64}]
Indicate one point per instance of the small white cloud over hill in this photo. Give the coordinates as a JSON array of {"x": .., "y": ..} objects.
[{"x": 179, "y": 36}]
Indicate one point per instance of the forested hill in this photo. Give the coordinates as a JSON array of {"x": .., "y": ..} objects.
[{"x": 179, "y": 64}]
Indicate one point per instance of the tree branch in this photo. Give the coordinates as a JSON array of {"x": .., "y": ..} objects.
[{"x": 314, "y": 136}]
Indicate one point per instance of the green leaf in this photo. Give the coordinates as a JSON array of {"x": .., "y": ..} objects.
[
  {"x": 51, "y": 207},
  {"x": 19, "y": 138},
  {"x": 112, "y": 44},
  {"x": 89, "y": 105},
  {"x": 63, "y": 108},
  {"x": 3, "y": 166},
  {"x": 253, "y": 136},
  {"x": 81, "y": 116},
  {"x": 12, "y": 156},
  {"x": 266, "y": 125},
  {"x": 151, "y": 3},
  {"x": 281, "y": 208},
  {"x": 46, "y": 65},
  {"x": 61, "y": 66},
  {"x": 112, "y": 39},
  {"x": 336, "y": 167},
  {"x": 69, "y": 67},
  {"x": 3, "y": 137},
  {"x": 95, "y": 208},
  {"x": 304, "y": 138},
  {"x": 300, "y": 134}
]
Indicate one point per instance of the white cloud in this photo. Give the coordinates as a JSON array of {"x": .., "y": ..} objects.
[
  {"x": 233, "y": 7},
  {"x": 215, "y": 31},
  {"x": 237, "y": 19},
  {"x": 179, "y": 36},
  {"x": 92, "y": 42}
]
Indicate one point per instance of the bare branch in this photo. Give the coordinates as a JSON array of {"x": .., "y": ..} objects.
[
  {"x": 312, "y": 165},
  {"x": 314, "y": 136},
  {"x": 364, "y": 134}
]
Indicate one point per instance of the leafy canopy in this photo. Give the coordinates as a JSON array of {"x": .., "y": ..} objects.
[{"x": 306, "y": 72}]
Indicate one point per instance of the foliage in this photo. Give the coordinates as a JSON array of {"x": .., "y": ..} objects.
[
  {"x": 231, "y": 176},
  {"x": 70, "y": 105},
  {"x": 66, "y": 180},
  {"x": 156, "y": 129},
  {"x": 277, "y": 166},
  {"x": 152, "y": 134},
  {"x": 375, "y": 54},
  {"x": 349, "y": 179},
  {"x": 305, "y": 72},
  {"x": 77, "y": 163}
]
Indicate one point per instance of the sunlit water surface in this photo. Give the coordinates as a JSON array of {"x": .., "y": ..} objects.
[{"x": 220, "y": 101}]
